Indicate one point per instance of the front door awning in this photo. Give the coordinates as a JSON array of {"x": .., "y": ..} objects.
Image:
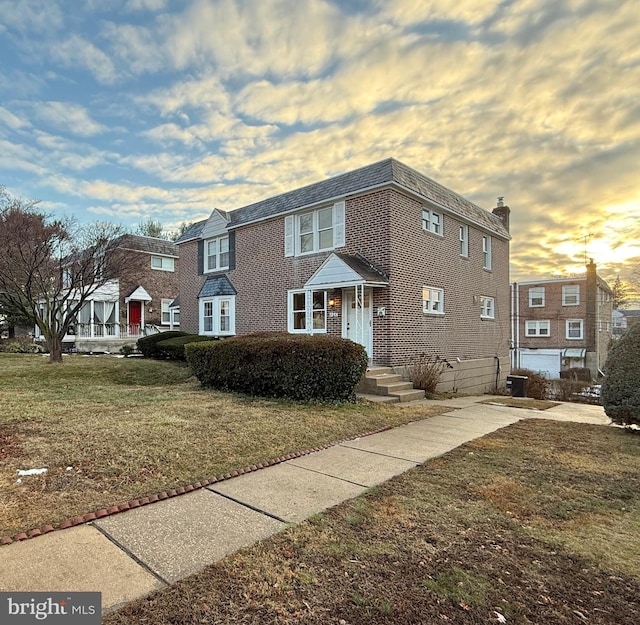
[
  {"x": 139, "y": 295},
  {"x": 343, "y": 270}
]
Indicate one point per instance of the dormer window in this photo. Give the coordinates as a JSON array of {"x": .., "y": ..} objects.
[{"x": 217, "y": 254}]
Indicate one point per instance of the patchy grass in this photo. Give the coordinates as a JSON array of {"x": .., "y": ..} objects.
[
  {"x": 522, "y": 402},
  {"x": 110, "y": 430},
  {"x": 512, "y": 526}
]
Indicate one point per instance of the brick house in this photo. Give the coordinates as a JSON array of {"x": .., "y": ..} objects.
[
  {"x": 131, "y": 305},
  {"x": 562, "y": 323},
  {"x": 381, "y": 255}
]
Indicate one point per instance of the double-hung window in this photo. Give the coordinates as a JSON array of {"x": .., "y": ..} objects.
[
  {"x": 162, "y": 263},
  {"x": 217, "y": 315},
  {"x": 432, "y": 300},
  {"x": 574, "y": 328},
  {"x": 216, "y": 252},
  {"x": 537, "y": 328},
  {"x": 316, "y": 230},
  {"x": 432, "y": 221},
  {"x": 464, "y": 240},
  {"x": 536, "y": 297},
  {"x": 571, "y": 295},
  {"x": 486, "y": 252},
  {"x": 487, "y": 307},
  {"x": 307, "y": 312},
  {"x": 165, "y": 311}
]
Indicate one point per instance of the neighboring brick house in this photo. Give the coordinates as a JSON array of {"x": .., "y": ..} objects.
[
  {"x": 129, "y": 306},
  {"x": 562, "y": 323},
  {"x": 381, "y": 255}
]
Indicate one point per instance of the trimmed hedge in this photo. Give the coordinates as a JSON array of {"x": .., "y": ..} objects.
[
  {"x": 620, "y": 393},
  {"x": 173, "y": 349},
  {"x": 576, "y": 373},
  {"x": 277, "y": 364},
  {"x": 147, "y": 344}
]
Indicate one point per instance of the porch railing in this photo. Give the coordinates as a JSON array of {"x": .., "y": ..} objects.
[{"x": 112, "y": 330}]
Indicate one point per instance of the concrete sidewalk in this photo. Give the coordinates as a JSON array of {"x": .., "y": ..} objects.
[{"x": 128, "y": 555}]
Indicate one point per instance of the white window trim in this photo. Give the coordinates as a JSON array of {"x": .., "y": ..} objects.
[
  {"x": 308, "y": 309},
  {"x": 464, "y": 240},
  {"x": 216, "y": 301},
  {"x": 565, "y": 294},
  {"x": 487, "y": 260},
  {"x": 218, "y": 267},
  {"x": 426, "y": 303},
  {"x": 428, "y": 224},
  {"x": 536, "y": 328},
  {"x": 172, "y": 266},
  {"x": 164, "y": 308},
  {"x": 487, "y": 307},
  {"x": 541, "y": 295},
  {"x": 315, "y": 232},
  {"x": 568, "y": 322}
]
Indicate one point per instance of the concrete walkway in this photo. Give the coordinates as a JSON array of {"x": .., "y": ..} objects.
[{"x": 128, "y": 555}]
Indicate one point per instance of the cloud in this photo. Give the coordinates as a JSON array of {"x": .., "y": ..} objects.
[
  {"x": 146, "y": 5},
  {"x": 31, "y": 16},
  {"x": 76, "y": 51},
  {"x": 68, "y": 117},
  {"x": 12, "y": 121}
]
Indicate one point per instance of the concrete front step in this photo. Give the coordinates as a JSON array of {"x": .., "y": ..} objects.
[
  {"x": 378, "y": 399},
  {"x": 412, "y": 394},
  {"x": 382, "y": 381}
]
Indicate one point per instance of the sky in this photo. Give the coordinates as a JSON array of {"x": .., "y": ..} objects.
[{"x": 130, "y": 110}]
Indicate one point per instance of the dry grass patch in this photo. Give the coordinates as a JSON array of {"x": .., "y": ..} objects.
[
  {"x": 434, "y": 545},
  {"x": 109, "y": 430},
  {"x": 522, "y": 402}
]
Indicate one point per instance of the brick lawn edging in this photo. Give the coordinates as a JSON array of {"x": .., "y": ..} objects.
[{"x": 182, "y": 490}]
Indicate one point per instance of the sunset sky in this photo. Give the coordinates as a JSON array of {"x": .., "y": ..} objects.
[{"x": 125, "y": 110}]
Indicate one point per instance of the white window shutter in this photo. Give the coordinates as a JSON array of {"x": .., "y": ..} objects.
[
  {"x": 288, "y": 236},
  {"x": 338, "y": 224}
]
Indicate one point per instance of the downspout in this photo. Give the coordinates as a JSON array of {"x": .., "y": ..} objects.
[{"x": 498, "y": 370}]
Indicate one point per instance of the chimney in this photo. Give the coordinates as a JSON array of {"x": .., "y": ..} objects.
[{"x": 502, "y": 212}]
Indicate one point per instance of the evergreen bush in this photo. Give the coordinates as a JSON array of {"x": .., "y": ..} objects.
[
  {"x": 300, "y": 367},
  {"x": 147, "y": 344},
  {"x": 620, "y": 394},
  {"x": 173, "y": 348}
]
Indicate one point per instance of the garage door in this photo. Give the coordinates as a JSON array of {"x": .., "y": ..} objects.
[{"x": 546, "y": 364}]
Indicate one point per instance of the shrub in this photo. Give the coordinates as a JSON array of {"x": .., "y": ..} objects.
[
  {"x": 21, "y": 345},
  {"x": 570, "y": 389},
  {"x": 147, "y": 344},
  {"x": 424, "y": 370},
  {"x": 173, "y": 348},
  {"x": 127, "y": 350},
  {"x": 576, "y": 373},
  {"x": 620, "y": 394},
  {"x": 536, "y": 384},
  {"x": 284, "y": 365}
]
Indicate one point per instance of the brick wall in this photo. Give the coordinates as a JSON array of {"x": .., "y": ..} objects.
[
  {"x": 422, "y": 258},
  {"x": 555, "y": 312},
  {"x": 159, "y": 284},
  {"x": 386, "y": 228}
]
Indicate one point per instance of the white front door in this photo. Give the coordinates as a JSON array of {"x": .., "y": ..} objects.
[{"x": 357, "y": 318}]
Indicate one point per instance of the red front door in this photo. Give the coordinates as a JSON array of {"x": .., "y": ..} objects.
[{"x": 135, "y": 317}]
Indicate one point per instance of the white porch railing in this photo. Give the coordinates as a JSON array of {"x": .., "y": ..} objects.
[{"x": 85, "y": 331}]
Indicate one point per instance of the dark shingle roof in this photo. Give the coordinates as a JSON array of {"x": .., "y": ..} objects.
[
  {"x": 192, "y": 232},
  {"x": 217, "y": 285},
  {"x": 147, "y": 244},
  {"x": 389, "y": 171},
  {"x": 364, "y": 268}
]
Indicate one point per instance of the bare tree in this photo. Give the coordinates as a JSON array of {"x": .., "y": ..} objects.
[{"x": 49, "y": 267}]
